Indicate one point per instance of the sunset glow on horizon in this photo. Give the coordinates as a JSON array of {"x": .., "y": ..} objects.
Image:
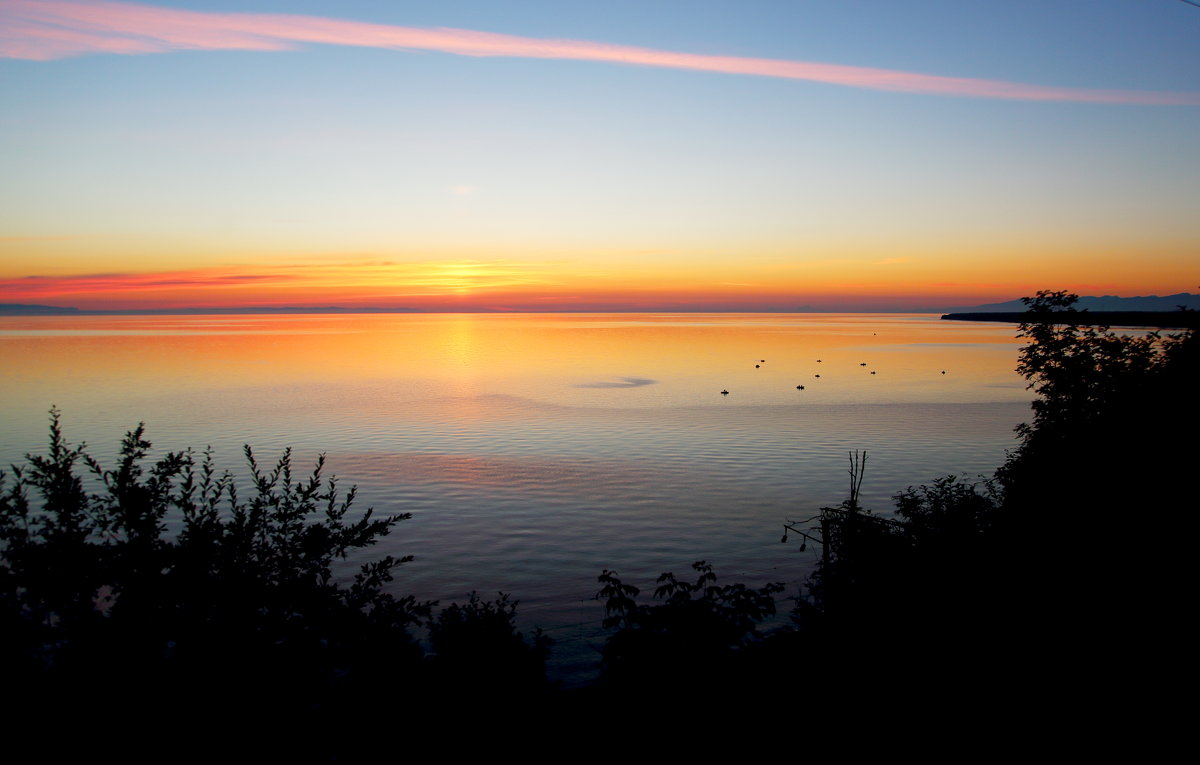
[{"x": 699, "y": 156}]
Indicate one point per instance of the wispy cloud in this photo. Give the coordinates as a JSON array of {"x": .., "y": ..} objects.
[
  {"x": 428, "y": 279},
  {"x": 43, "y": 30},
  {"x": 130, "y": 282}
]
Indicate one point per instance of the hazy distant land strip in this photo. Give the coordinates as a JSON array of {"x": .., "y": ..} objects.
[
  {"x": 16, "y": 309},
  {"x": 1167, "y": 311}
]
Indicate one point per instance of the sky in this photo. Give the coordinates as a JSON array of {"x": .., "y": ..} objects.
[{"x": 646, "y": 155}]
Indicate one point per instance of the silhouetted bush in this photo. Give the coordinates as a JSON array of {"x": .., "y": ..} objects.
[
  {"x": 236, "y": 611},
  {"x": 692, "y": 639},
  {"x": 480, "y": 655},
  {"x": 948, "y": 514},
  {"x": 239, "y": 605}
]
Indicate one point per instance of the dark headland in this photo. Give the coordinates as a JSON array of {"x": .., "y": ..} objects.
[
  {"x": 1156, "y": 319},
  {"x": 1177, "y": 311}
]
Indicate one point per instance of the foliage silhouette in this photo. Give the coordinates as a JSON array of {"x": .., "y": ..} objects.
[
  {"x": 1017, "y": 579},
  {"x": 479, "y": 654},
  {"x": 1102, "y": 397},
  {"x": 1099, "y": 488},
  {"x": 1002, "y": 582},
  {"x": 947, "y": 512},
  {"x": 693, "y": 638},
  {"x": 237, "y": 609}
]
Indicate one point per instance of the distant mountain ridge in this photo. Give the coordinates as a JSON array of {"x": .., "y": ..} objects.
[{"x": 1102, "y": 303}]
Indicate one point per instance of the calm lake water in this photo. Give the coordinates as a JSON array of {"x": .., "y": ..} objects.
[{"x": 536, "y": 450}]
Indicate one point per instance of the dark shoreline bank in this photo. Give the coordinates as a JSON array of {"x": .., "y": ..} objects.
[{"x": 1157, "y": 319}]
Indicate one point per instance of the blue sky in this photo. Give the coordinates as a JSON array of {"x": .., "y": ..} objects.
[{"x": 581, "y": 183}]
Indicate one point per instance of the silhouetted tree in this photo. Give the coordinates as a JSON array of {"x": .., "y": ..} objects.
[
  {"x": 1069, "y": 571},
  {"x": 1099, "y": 494},
  {"x": 1104, "y": 398}
]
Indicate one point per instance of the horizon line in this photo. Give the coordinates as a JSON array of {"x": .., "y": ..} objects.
[{"x": 35, "y": 310}]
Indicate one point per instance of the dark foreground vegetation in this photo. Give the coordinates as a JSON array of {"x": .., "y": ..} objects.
[{"x": 1064, "y": 576}]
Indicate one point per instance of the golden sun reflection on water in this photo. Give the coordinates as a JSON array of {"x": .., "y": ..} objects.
[
  {"x": 534, "y": 450},
  {"x": 567, "y": 359}
]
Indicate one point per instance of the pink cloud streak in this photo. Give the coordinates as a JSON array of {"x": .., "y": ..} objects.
[{"x": 43, "y": 30}]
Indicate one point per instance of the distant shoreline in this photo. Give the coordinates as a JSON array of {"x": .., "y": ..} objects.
[
  {"x": 27, "y": 311},
  {"x": 1156, "y": 319},
  {"x": 1173, "y": 319}
]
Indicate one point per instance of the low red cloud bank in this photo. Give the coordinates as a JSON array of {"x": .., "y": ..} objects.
[{"x": 211, "y": 288}]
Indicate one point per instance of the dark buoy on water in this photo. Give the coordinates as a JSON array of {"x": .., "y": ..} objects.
[
  {"x": 799, "y": 387},
  {"x": 724, "y": 393}
]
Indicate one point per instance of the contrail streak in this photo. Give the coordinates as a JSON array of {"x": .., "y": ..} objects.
[{"x": 44, "y": 30}]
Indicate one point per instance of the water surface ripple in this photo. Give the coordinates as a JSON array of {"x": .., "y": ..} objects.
[{"x": 534, "y": 451}]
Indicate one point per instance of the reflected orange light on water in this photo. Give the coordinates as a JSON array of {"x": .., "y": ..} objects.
[{"x": 447, "y": 361}]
